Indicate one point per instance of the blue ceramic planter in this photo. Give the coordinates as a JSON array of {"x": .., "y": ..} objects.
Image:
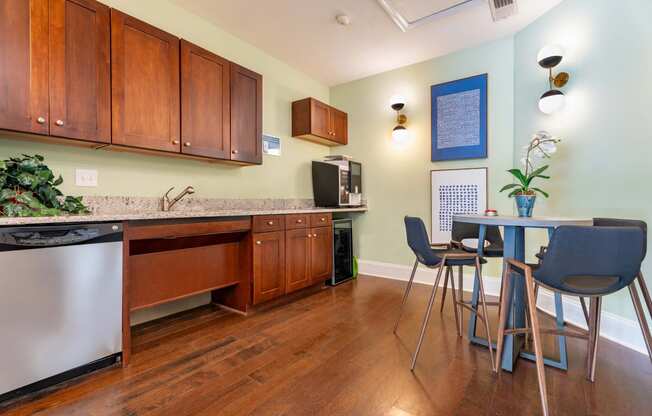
[{"x": 525, "y": 204}]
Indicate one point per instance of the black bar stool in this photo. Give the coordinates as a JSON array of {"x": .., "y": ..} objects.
[
  {"x": 417, "y": 238},
  {"x": 588, "y": 262}
]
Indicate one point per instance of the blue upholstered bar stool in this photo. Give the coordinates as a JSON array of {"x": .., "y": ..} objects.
[
  {"x": 588, "y": 262},
  {"x": 440, "y": 258}
]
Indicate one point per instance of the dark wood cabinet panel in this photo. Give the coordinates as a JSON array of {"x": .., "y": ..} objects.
[
  {"x": 320, "y": 119},
  {"x": 297, "y": 259},
  {"x": 321, "y": 220},
  {"x": 340, "y": 126},
  {"x": 246, "y": 115},
  {"x": 80, "y": 82},
  {"x": 321, "y": 254},
  {"x": 205, "y": 103},
  {"x": 294, "y": 221},
  {"x": 267, "y": 223},
  {"x": 318, "y": 122},
  {"x": 145, "y": 85},
  {"x": 269, "y": 266},
  {"x": 24, "y": 66}
]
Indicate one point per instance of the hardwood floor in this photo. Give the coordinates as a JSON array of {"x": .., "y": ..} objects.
[{"x": 333, "y": 353}]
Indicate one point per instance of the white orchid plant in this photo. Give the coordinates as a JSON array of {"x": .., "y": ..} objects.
[{"x": 542, "y": 146}]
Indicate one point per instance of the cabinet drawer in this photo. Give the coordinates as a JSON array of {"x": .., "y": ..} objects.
[
  {"x": 321, "y": 220},
  {"x": 160, "y": 277},
  {"x": 295, "y": 221},
  {"x": 266, "y": 223}
]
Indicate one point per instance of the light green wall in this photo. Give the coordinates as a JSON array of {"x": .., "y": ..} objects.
[
  {"x": 397, "y": 179},
  {"x": 603, "y": 167},
  {"x": 139, "y": 175}
]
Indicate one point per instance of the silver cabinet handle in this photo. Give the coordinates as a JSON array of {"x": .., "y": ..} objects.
[
  {"x": 59, "y": 123},
  {"x": 270, "y": 222},
  {"x": 235, "y": 152},
  {"x": 259, "y": 242},
  {"x": 187, "y": 144},
  {"x": 175, "y": 141},
  {"x": 40, "y": 120},
  {"x": 323, "y": 220},
  {"x": 299, "y": 221}
]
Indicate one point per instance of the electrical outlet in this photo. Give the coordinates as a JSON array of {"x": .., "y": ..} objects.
[{"x": 86, "y": 177}]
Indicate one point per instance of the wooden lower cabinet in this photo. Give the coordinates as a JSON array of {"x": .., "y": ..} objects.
[
  {"x": 269, "y": 266},
  {"x": 297, "y": 259},
  {"x": 321, "y": 254}
]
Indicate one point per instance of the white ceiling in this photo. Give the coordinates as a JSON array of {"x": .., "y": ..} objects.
[{"x": 304, "y": 33}]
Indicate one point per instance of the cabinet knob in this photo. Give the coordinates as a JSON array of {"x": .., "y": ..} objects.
[
  {"x": 259, "y": 242},
  {"x": 309, "y": 235},
  {"x": 175, "y": 141},
  {"x": 235, "y": 152},
  {"x": 323, "y": 219},
  {"x": 299, "y": 221},
  {"x": 40, "y": 120},
  {"x": 59, "y": 123},
  {"x": 187, "y": 144},
  {"x": 270, "y": 222}
]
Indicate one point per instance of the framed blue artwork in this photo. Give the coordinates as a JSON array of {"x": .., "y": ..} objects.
[{"x": 459, "y": 119}]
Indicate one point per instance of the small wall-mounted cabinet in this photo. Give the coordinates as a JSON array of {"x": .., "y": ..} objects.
[
  {"x": 290, "y": 253},
  {"x": 315, "y": 121},
  {"x": 55, "y": 80},
  {"x": 77, "y": 69}
]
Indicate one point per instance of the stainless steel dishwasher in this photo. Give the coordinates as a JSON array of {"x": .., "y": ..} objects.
[{"x": 60, "y": 303}]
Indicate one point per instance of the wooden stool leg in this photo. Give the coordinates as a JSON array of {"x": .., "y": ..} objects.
[
  {"x": 427, "y": 316},
  {"x": 483, "y": 301},
  {"x": 538, "y": 351},
  {"x": 458, "y": 323},
  {"x": 460, "y": 297},
  {"x": 584, "y": 310},
  {"x": 640, "y": 314},
  {"x": 443, "y": 294},
  {"x": 594, "y": 335},
  {"x": 405, "y": 295},
  {"x": 502, "y": 321}
]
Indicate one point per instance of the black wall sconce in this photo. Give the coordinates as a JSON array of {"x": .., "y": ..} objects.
[
  {"x": 553, "y": 99},
  {"x": 400, "y": 133}
]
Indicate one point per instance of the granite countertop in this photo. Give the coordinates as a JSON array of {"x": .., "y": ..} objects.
[{"x": 105, "y": 209}]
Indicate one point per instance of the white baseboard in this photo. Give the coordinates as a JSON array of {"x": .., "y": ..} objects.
[{"x": 615, "y": 328}]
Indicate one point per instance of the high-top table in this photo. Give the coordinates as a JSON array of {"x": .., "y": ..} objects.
[{"x": 514, "y": 237}]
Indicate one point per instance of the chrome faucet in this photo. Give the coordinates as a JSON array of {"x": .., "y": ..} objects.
[{"x": 167, "y": 204}]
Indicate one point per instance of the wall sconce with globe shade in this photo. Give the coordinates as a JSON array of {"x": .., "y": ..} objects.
[
  {"x": 400, "y": 133},
  {"x": 553, "y": 99}
]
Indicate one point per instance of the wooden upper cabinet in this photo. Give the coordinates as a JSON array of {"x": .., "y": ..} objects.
[
  {"x": 269, "y": 266},
  {"x": 246, "y": 115},
  {"x": 24, "y": 65},
  {"x": 80, "y": 81},
  {"x": 321, "y": 254},
  {"x": 297, "y": 259},
  {"x": 145, "y": 85},
  {"x": 315, "y": 121},
  {"x": 205, "y": 103}
]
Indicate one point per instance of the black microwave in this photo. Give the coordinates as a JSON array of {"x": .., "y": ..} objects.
[{"x": 337, "y": 183}]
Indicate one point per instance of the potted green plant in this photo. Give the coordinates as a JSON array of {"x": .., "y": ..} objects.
[
  {"x": 28, "y": 188},
  {"x": 540, "y": 148}
]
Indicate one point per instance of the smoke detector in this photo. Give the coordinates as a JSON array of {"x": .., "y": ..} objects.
[
  {"x": 343, "y": 19},
  {"x": 502, "y": 9}
]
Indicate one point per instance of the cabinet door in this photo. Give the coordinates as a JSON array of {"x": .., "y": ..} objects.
[
  {"x": 320, "y": 119},
  {"x": 80, "y": 82},
  {"x": 297, "y": 259},
  {"x": 321, "y": 254},
  {"x": 340, "y": 123},
  {"x": 246, "y": 115},
  {"x": 269, "y": 266},
  {"x": 24, "y": 65},
  {"x": 145, "y": 85},
  {"x": 205, "y": 103}
]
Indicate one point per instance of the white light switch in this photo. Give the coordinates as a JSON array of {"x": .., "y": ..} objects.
[{"x": 86, "y": 177}]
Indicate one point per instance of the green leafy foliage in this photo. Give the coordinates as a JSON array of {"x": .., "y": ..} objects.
[
  {"x": 28, "y": 188},
  {"x": 524, "y": 181}
]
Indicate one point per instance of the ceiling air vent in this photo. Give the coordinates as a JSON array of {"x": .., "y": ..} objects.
[{"x": 502, "y": 9}]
